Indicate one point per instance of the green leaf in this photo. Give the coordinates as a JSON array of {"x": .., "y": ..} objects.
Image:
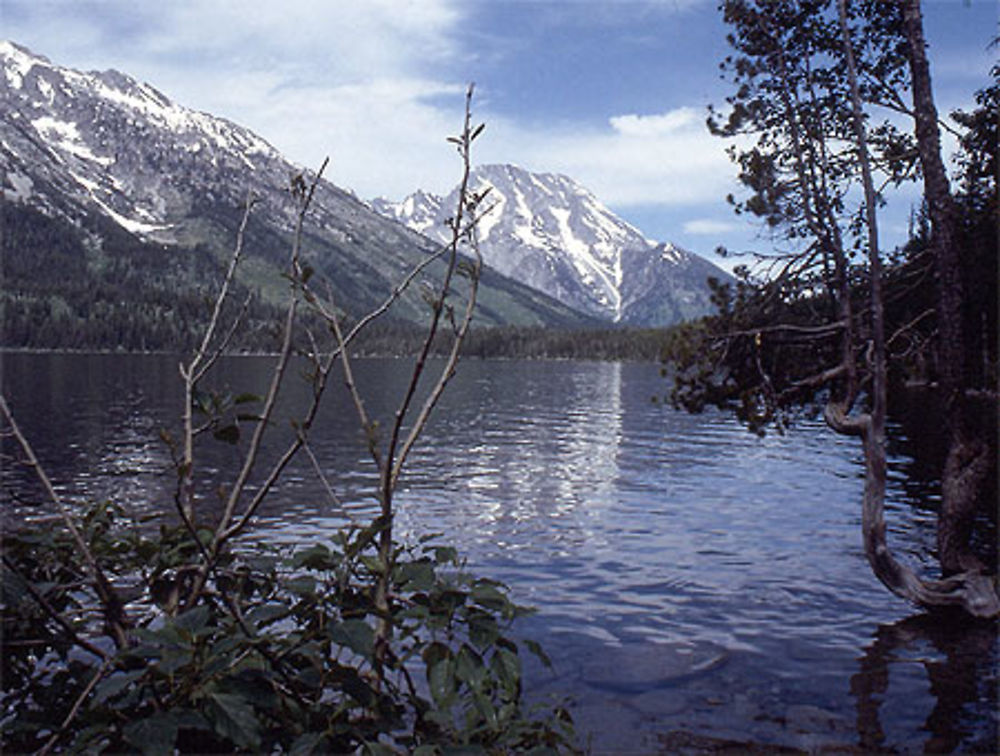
[
  {"x": 536, "y": 649},
  {"x": 486, "y": 708},
  {"x": 487, "y": 594},
  {"x": 483, "y": 629},
  {"x": 115, "y": 684},
  {"x": 441, "y": 677},
  {"x": 316, "y": 557},
  {"x": 193, "y": 620},
  {"x": 445, "y": 555},
  {"x": 353, "y": 684},
  {"x": 356, "y": 634},
  {"x": 414, "y": 576},
  {"x": 229, "y": 434},
  {"x": 434, "y": 653},
  {"x": 506, "y": 666},
  {"x": 173, "y": 659},
  {"x": 154, "y": 735},
  {"x": 374, "y": 563},
  {"x": 233, "y": 717},
  {"x": 469, "y": 668},
  {"x": 463, "y": 750},
  {"x": 306, "y": 744},
  {"x": 303, "y": 586},
  {"x": 262, "y": 616}
]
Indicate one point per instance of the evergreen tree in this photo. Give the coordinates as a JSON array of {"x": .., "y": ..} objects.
[{"x": 814, "y": 327}]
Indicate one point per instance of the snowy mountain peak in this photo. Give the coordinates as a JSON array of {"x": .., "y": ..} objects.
[
  {"x": 553, "y": 234},
  {"x": 419, "y": 211},
  {"x": 17, "y": 61},
  {"x": 111, "y": 140}
]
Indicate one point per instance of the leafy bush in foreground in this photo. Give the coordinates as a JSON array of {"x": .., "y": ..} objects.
[{"x": 278, "y": 656}]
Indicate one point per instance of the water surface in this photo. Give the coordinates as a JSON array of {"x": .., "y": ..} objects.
[{"x": 690, "y": 576}]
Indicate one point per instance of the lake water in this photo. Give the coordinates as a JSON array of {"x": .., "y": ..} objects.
[{"x": 691, "y": 577}]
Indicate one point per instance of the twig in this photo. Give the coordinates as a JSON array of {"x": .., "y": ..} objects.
[
  {"x": 194, "y": 371},
  {"x": 277, "y": 376},
  {"x": 448, "y": 371},
  {"x": 319, "y": 473},
  {"x": 76, "y": 708},
  {"x": 391, "y": 472},
  {"x": 223, "y": 530},
  {"x": 906, "y": 327},
  {"x": 113, "y": 609},
  {"x": 823, "y": 330},
  {"x": 55, "y": 615}
]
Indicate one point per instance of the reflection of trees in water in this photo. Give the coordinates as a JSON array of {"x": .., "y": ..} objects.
[
  {"x": 917, "y": 454},
  {"x": 963, "y": 681}
]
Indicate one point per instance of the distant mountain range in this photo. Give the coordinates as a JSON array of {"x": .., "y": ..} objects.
[
  {"x": 121, "y": 207},
  {"x": 549, "y": 232}
]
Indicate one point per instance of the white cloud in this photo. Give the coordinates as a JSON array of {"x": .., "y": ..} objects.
[
  {"x": 666, "y": 159},
  {"x": 372, "y": 86},
  {"x": 708, "y": 227},
  {"x": 361, "y": 82},
  {"x": 383, "y": 136},
  {"x": 655, "y": 125}
]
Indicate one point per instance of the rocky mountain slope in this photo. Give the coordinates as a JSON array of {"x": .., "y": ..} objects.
[
  {"x": 552, "y": 234},
  {"x": 102, "y": 155}
]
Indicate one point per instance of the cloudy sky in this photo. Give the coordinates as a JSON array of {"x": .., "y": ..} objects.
[{"x": 611, "y": 93}]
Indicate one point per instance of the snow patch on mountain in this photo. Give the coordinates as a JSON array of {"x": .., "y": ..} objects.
[{"x": 66, "y": 137}]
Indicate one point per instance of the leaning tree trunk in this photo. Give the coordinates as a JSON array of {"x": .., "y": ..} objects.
[
  {"x": 972, "y": 591},
  {"x": 968, "y": 460}
]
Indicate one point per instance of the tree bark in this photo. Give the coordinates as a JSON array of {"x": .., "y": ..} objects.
[{"x": 967, "y": 463}]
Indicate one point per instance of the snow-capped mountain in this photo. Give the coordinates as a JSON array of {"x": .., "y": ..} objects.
[
  {"x": 103, "y": 139},
  {"x": 84, "y": 145},
  {"x": 552, "y": 234}
]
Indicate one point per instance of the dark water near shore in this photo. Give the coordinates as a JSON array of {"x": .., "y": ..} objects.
[{"x": 689, "y": 576}]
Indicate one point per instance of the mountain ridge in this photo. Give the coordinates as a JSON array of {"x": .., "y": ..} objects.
[
  {"x": 551, "y": 233},
  {"x": 81, "y": 145}
]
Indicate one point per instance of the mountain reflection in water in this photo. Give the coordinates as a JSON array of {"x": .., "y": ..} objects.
[{"x": 697, "y": 587}]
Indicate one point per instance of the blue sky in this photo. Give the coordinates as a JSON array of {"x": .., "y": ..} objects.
[{"x": 611, "y": 93}]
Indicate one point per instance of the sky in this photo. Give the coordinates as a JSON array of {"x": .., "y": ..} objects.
[{"x": 612, "y": 93}]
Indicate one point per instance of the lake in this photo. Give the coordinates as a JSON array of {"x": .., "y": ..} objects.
[{"x": 693, "y": 581}]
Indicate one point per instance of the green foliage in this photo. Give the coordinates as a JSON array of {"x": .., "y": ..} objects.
[
  {"x": 278, "y": 654},
  {"x": 756, "y": 356}
]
